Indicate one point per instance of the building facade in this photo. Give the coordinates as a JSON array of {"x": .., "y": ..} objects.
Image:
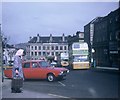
[
  {"x": 104, "y": 40},
  {"x": 114, "y": 32},
  {"x": 88, "y": 36},
  {"x": 46, "y": 46},
  {"x": 101, "y": 42}
]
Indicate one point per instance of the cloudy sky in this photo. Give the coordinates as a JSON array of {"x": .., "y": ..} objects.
[{"x": 21, "y": 20}]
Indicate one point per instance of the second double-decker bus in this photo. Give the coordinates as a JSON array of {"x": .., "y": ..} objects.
[{"x": 80, "y": 56}]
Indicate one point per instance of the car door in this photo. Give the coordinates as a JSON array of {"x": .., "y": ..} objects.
[
  {"x": 35, "y": 70},
  {"x": 26, "y": 70},
  {"x": 43, "y": 69}
]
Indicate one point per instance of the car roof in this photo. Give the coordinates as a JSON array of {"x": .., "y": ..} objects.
[{"x": 33, "y": 61}]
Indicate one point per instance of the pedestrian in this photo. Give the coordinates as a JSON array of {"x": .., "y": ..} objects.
[
  {"x": 4, "y": 60},
  {"x": 17, "y": 69},
  {"x": 94, "y": 63}
]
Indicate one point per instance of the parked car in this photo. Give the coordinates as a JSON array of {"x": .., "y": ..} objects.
[{"x": 39, "y": 69}]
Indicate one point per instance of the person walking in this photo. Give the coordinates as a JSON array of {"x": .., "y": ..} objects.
[{"x": 17, "y": 70}]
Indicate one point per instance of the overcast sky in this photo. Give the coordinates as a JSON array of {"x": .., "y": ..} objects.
[{"x": 22, "y": 20}]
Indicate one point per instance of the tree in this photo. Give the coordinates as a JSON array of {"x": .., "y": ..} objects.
[{"x": 5, "y": 40}]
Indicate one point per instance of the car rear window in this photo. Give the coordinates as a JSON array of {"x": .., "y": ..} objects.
[{"x": 26, "y": 65}]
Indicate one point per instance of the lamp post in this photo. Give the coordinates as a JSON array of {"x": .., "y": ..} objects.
[{"x": 1, "y": 54}]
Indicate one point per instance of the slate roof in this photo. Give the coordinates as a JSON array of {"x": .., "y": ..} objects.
[{"x": 55, "y": 39}]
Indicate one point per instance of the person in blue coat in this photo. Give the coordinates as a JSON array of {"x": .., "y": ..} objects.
[{"x": 17, "y": 65}]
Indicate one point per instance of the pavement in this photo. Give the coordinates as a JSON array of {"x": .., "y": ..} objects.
[{"x": 25, "y": 94}]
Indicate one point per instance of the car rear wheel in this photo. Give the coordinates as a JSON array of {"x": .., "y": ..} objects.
[{"x": 50, "y": 77}]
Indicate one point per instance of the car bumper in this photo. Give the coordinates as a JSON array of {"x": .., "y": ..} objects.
[{"x": 62, "y": 75}]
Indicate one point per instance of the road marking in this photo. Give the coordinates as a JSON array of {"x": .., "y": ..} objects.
[
  {"x": 61, "y": 83},
  {"x": 58, "y": 96},
  {"x": 93, "y": 92}
]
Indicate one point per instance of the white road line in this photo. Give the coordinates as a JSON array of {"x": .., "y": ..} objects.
[
  {"x": 58, "y": 96},
  {"x": 93, "y": 92},
  {"x": 61, "y": 83}
]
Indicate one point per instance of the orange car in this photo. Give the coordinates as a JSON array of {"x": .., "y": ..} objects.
[{"x": 39, "y": 69}]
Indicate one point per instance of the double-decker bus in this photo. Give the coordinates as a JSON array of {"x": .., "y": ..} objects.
[{"x": 80, "y": 56}]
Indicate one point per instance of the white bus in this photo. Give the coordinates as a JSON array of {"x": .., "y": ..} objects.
[{"x": 80, "y": 56}]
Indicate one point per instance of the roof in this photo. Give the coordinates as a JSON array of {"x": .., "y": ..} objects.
[
  {"x": 57, "y": 39},
  {"x": 8, "y": 46}
]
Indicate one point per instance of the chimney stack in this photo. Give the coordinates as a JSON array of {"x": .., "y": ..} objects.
[
  {"x": 38, "y": 38},
  {"x": 50, "y": 37},
  {"x": 63, "y": 37},
  {"x": 30, "y": 38}
]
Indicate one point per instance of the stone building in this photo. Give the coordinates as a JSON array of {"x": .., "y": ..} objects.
[
  {"x": 114, "y": 32},
  {"x": 104, "y": 39},
  {"x": 101, "y": 42},
  {"x": 88, "y": 35},
  {"x": 44, "y": 46}
]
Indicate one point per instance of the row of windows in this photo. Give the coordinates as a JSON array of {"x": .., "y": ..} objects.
[
  {"x": 102, "y": 38},
  {"x": 44, "y": 53},
  {"x": 112, "y": 20},
  {"x": 48, "y": 47}
]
